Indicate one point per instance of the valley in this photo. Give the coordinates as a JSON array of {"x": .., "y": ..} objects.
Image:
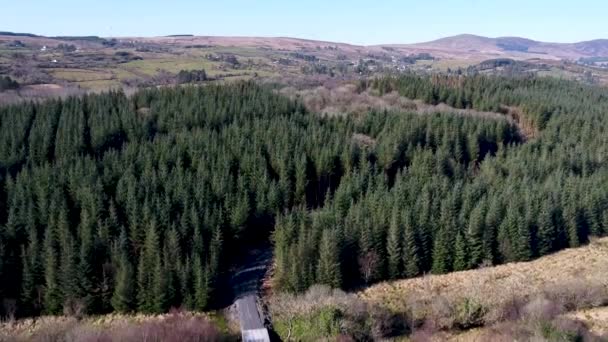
[{"x": 371, "y": 183}]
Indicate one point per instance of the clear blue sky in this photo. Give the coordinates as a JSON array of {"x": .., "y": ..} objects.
[{"x": 354, "y": 21}]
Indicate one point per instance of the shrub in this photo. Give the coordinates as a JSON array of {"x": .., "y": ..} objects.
[
  {"x": 322, "y": 323},
  {"x": 541, "y": 309},
  {"x": 325, "y": 313},
  {"x": 178, "y": 327},
  {"x": 576, "y": 295},
  {"x": 7, "y": 83},
  {"x": 469, "y": 313}
]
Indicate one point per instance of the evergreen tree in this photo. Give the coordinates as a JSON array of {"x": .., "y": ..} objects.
[
  {"x": 147, "y": 271},
  {"x": 474, "y": 239},
  {"x": 393, "y": 248},
  {"x": 86, "y": 272},
  {"x": 410, "y": 251},
  {"x": 572, "y": 221},
  {"x": 546, "y": 230},
  {"x": 123, "y": 299},
  {"x": 201, "y": 284},
  {"x": 159, "y": 287},
  {"x": 461, "y": 258},
  {"x": 53, "y": 299},
  {"x": 32, "y": 269},
  {"x": 328, "y": 268}
]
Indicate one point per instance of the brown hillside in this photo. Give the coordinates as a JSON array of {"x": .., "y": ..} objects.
[{"x": 568, "y": 271}]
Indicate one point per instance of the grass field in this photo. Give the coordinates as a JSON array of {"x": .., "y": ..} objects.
[
  {"x": 99, "y": 85},
  {"x": 576, "y": 266},
  {"x": 444, "y": 64},
  {"x": 151, "y": 67},
  {"x": 81, "y": 75}
]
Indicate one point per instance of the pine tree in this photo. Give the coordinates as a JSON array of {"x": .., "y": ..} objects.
[
  {"x": 605, "y": 220},
  {"x": 32, "y": 269},
  {"x": 461, "y": 258},
  {"x": 546, "y": 230},
  {"x": 441, "y": 259},
  {"x": 524, "y": 240},
  {"x": 301, "y": 181},
  {"x": 53, "y": 299},
  {"x": 159, "y": 286},
  {"x": 328, "y": 268},
  {"x": 215, "y": 252},
  {"x": 201, "y": 285},
  {"x": 572, "y": 221},
  {"x": 411, "y": 261},
  {"x": 475, "y": 237},
  {"x": 69, "y": 281},
  {"x": 172, "y": 260},
  {"x": 86, "y": 272},
  {"x": 123, "y": 299},
  {"x": 442, "y": 248},
  {"x": 393, "y": 248},
  {"x": 146, "y": 271}
]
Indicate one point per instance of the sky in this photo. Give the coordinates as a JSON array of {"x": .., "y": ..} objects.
[{"x": 353, "y": 21}]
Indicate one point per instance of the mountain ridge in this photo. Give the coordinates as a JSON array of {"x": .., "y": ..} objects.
[{"x": 467, "y": 46}]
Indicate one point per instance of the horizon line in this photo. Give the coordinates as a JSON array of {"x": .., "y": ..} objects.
[{"x": 177, "y": 35}]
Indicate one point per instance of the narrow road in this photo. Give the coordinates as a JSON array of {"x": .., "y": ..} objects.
[
  {"x": 246, "y": 282},
  {"x": 252, "y": 327}
]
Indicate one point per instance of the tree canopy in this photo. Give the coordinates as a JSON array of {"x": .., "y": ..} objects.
[{"x": 116, "y": 203}]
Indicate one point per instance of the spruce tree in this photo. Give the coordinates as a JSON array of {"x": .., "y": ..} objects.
[
  {"x": 393, "y": 248},
  {"x": 461, "y": 257},
  {"x": 146, "y": 271},
  {"x": 546, "y": 230},
  {"x": 201, "y": 284},
  {"x": 123, "y": 298},
  {"x": 441, "y": 259},
  {"x": 159, "y": 286},
  {"x": 32, "y": 269},
  {"x": 86, "y": 261},
  {"x": 411, "y": 260},
  {"x": 475, "y": 236},
  {"x": 53, "y": 299},
  {"x": 328, "y": 267},
  {"x": 572, "y": 221}
]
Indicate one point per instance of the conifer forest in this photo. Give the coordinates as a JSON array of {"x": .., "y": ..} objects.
[{"x": 141, "y": 203}]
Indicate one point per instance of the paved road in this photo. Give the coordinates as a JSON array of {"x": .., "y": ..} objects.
[
  {"x": 246, "y": 282},
  {"x": 249, "y": 316}
]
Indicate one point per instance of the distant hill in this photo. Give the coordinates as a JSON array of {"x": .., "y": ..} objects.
[
  {"x": 14, "y": 34},
  {"x": 464, "y": 46},
  {"x": 468, "y": 45}
]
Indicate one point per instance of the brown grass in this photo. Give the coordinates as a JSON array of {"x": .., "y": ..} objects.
[
  {"x": 570, "y": 280},
  {"x": 345, "y": 99},
  {"x": 178, "y": 326},
  {"x": 596, "y": 319}
]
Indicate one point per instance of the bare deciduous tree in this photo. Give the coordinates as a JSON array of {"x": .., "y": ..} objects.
[{"x": 368, "y": 264}]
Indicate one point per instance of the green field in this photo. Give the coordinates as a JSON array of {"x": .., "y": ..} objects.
[
  {"x": 152, "y": 67},
  {"x": 99, "y": 85},
  {"x": 81, "y": 75},
  {"x": 444, "y": 64}
]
